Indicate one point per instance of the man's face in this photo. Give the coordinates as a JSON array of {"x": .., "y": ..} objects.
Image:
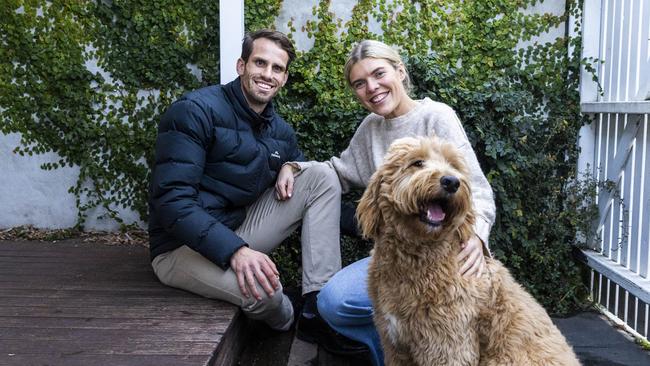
[{"x": 264, "y": 73}]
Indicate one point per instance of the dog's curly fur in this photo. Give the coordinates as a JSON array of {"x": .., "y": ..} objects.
[{"x": 425, "y": 311}]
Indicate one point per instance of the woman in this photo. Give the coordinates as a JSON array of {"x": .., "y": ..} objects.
[{"x": 378, "y": 78}]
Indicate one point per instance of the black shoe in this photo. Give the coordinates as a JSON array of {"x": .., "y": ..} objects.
[
  {"x": 316, "y": 330},
  {"x": 296, "y": 303}
]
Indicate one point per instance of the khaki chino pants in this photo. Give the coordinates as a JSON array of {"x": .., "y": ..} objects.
[{"x": 315, "y": 204}]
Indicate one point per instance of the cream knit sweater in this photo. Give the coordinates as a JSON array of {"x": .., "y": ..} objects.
[{"x": 375, "y": 134}]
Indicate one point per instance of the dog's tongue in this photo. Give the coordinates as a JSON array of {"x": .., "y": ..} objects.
[{"x": 435, "y": 212}]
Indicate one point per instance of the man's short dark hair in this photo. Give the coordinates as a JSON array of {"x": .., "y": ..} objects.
[{"x": 278, "y": 38}]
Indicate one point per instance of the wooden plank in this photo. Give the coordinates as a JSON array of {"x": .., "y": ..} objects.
[
  {"x": 644, "y": 211},
  {"x": 71, "y": 303},
  {"x": 636, "y": 202},
  {"x": 623, "y": 51},
  {"x": 101, "y": 360},
  {"x": 37, "y": 260},
  {"x": 140, "y": 261},
  {"x": 611, "y": 61},
  {"x": 636, "y": 107},
  {"x": 80, "y": 294},
  {"x": 232, "y": 344},
  {"x": 36, "y": 283},
  {"x": 67, "y": 248},
  {"x": 640, "y": 75},
  {"x": 616, "y": 165},
  {"x": 153, "y": 324},
  {"x": 109, "y": 336},
  {"x": 119, "y": 346},
  {"x": 97, "y": 297},
  {"x": 632, "y": 282},
  {"x": 68, "y": 277},
  {"x": 591, "y": 31},
  {"x": 116, "y": 311}
]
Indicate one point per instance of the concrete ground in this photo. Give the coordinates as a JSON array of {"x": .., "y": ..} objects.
[{"x": 598, "y": 343}]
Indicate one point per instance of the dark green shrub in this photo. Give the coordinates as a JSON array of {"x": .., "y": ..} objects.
[{"x": 520, "y": 110}]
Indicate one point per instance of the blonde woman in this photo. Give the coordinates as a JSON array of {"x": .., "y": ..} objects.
[{"x": 377, "y": 76}]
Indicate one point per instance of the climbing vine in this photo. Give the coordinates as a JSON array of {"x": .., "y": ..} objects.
[
  {"x": 518, "y": 102},
  {"x": 88, "y": 80}
]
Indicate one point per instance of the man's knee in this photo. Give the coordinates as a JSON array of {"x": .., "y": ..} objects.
[
  {"x": 267, "y": 304},
  {"x": 324, "y": 175}
]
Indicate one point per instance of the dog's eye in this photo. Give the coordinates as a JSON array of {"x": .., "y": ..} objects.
[{"x": 417, "y": 163}]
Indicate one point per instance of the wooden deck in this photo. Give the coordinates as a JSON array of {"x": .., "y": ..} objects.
[{"x": 73, "y": 303}]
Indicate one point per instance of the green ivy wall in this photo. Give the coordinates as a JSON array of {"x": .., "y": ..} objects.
[{"x": 518, "y": 101}]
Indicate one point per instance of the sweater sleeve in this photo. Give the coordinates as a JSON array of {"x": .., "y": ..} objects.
[
  {"x": 482, "y": 195},
  {"x": 352, "y": 167},
  {"x": 183, "y": 137}
]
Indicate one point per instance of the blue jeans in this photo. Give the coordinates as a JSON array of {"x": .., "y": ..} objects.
[{"x": 345, "y": 305}]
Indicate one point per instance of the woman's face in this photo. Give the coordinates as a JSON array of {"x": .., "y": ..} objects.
[{"x": 378, "y": 86}]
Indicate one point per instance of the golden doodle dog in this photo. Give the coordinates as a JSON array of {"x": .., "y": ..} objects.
[{"x": 418, "y": 211}]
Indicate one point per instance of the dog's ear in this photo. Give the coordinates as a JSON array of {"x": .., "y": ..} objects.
[{"x": 368, "y": 212}]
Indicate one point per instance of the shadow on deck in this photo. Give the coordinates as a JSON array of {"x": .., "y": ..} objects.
[{"x": 74, "y": 303}]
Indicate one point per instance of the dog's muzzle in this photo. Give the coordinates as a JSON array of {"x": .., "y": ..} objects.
[
  {"x": 433, "y": 212},
  {"x": 450, "y": 183}
]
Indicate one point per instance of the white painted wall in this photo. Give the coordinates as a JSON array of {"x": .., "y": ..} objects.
[
  {"x": 231, "y": 17},
  {"x": 40, "y": 198},
  {"x": 301, "y": 11},
  {"x": 31, "y": 196}
]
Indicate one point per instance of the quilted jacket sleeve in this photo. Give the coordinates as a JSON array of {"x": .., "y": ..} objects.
[
  {"x": 184, "y": 135},
  {"x": 295, "y": 154}
]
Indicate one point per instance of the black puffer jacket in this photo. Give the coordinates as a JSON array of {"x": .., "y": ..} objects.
[{"x": 214, "y": 156}]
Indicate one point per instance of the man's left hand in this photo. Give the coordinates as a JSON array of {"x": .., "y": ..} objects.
[
  {"x": 471, "y": 259},
  {"x": 284, "y": 183}
]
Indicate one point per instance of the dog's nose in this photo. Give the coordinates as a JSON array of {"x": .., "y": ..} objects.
[{"x": 450, "y": 183}]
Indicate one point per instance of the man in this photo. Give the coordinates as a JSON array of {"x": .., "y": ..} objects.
[{"x": 214, "y": 213}]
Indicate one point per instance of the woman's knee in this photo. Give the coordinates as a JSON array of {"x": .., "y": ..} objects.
[
  {"x": 341, "y": 308},
  {"x": 330, "y": 304},
  {"x": 344, "y": 300}
]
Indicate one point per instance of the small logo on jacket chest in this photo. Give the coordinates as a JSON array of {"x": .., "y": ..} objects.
[{"x": 275, "y": 154}]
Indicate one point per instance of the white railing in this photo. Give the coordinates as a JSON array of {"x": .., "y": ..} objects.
[{"x": 615, "y": 147}]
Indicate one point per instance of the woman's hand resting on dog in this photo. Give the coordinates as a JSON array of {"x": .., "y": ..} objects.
[{"x": 471, "y": 259}]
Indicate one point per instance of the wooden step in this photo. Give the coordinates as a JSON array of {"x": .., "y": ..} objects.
[{"x": 76, "y": 303}]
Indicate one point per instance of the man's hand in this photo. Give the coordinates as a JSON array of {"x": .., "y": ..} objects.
[
  {"x": 471, "y": 258},
  {"x": 284, "y": 183},
  {"x": 252, "y": 267}
]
